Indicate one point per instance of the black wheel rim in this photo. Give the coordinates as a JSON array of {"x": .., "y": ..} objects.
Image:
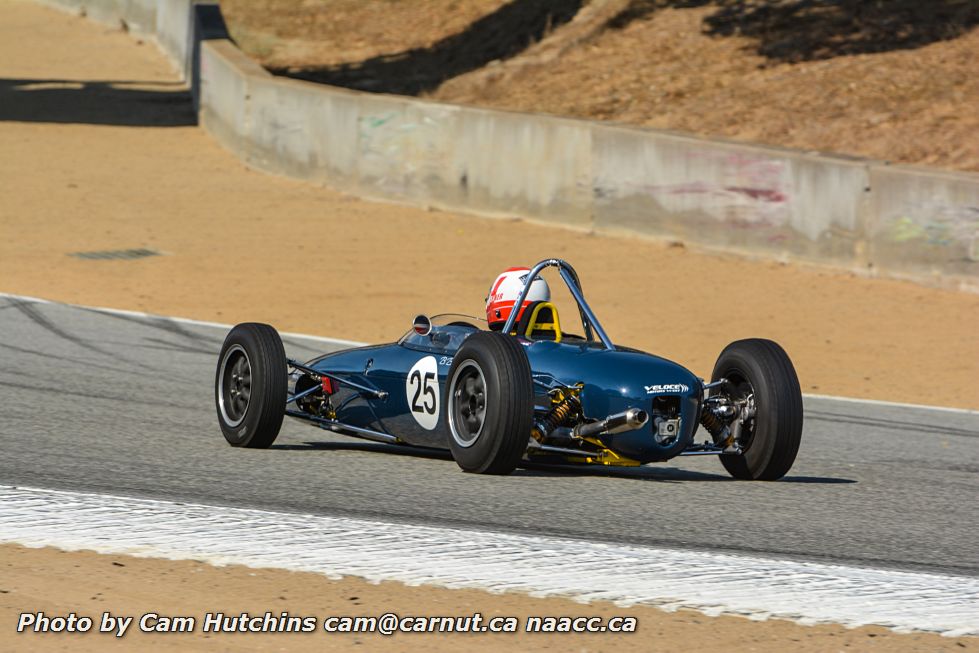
[
  {"x": 468, "y": 412},
  {"x": 235, "y": 386}
]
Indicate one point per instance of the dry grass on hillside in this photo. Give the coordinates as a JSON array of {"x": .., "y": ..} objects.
[
  {"x": 284, "y": 33},
  {"x": 894, "y": 80}
]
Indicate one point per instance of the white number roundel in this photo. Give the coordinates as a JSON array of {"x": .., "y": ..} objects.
[{"x": 422, "y": 390}]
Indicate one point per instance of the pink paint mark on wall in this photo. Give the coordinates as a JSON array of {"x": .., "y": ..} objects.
[{"x": 764, "y": 194}]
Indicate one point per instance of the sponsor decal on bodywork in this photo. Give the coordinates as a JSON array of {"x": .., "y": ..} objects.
[{"x": 666, "y": 388}]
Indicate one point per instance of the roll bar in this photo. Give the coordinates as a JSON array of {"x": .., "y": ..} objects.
[{"x": 588, "y": 319}]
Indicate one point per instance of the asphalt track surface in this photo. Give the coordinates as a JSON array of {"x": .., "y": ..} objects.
[{"x": 123, "y": 404}]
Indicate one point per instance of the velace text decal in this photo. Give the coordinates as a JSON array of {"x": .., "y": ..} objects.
[{"x": 666, "y": 387}]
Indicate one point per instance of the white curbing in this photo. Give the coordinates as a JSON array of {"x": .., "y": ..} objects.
[
  {"x": 893, "y": 404},
  {"x": 757, "y": 588}
]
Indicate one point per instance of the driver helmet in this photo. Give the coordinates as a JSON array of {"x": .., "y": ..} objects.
[{"x": 506, "y": 290}]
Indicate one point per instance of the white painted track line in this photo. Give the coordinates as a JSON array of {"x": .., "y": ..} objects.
[
  {"x": 354, "y": 343},
  {"x": 758, "y": 588},
  {"x": 179, "y": 320}
]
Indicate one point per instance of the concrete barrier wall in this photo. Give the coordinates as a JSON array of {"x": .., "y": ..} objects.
[
  {"x": 730, "y": 195},
  {"x": 925, "y": 222},
  {"x": 225, "y": 74},
  {"x": 295, "y": 132},
  {"x": 174, "y": 31},
  {"x": 853, "y": 213}
]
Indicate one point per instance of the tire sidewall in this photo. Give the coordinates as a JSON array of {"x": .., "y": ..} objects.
[
  {"x": 508, "y": 418},
  {"x": 778, "y": 417},
  {"x": 762, "y": 445},
  {"x": 257, "y": 414},
  {"x": 487, "y": 444}
]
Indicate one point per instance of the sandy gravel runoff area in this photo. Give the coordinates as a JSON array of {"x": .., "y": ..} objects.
[{"x": 98, "y": 152}]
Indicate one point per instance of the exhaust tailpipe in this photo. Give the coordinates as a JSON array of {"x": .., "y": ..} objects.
[{"x": 624, "y": 421}]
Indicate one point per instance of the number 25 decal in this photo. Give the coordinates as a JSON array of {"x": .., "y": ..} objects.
[
  {"x": 422, "y": 386},
  {"x": 422, "y": 392}
]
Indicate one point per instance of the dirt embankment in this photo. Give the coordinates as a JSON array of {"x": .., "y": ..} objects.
[{"x": 893, "y": 81}]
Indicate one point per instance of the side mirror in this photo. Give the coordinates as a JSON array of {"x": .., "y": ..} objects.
[{"x": 422, "y": 325}]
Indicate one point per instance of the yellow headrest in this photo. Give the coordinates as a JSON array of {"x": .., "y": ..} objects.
[{"x": 544, "y": 318}]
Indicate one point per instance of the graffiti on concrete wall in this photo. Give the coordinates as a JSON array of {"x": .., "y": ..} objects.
[
  {"x": 938, "y": 225},
  {"x": 741, "y": 191}
]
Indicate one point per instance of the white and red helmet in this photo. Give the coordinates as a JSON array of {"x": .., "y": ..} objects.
[{"x": 505, "y": 292}]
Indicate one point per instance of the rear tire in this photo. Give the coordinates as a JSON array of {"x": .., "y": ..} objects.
[
  {"x": 762, "y": 368},
  {"x": 251, "y": 386},
  {"x": 490, "y": 402}
]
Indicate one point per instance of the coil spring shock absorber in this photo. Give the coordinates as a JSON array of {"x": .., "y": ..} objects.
[
  {"x": 714, "y": 424},
  {"x": 720, "y": 422},
  {"x": 566, "y": 406}
]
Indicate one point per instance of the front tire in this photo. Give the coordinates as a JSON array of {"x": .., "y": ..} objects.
[
  {"x": 251, "y": 386},
  {"x": 490, "y": 404},
  {"x": 770, "y": 440}
]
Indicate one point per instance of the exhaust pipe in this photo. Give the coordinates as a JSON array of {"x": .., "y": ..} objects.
[{"x": 624, "y": 421}]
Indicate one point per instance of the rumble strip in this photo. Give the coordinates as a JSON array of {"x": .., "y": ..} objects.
[{"x": 713, "y": 583}]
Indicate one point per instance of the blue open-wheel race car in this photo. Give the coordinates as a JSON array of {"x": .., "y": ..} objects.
[{"x": 517, "y": 387}]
